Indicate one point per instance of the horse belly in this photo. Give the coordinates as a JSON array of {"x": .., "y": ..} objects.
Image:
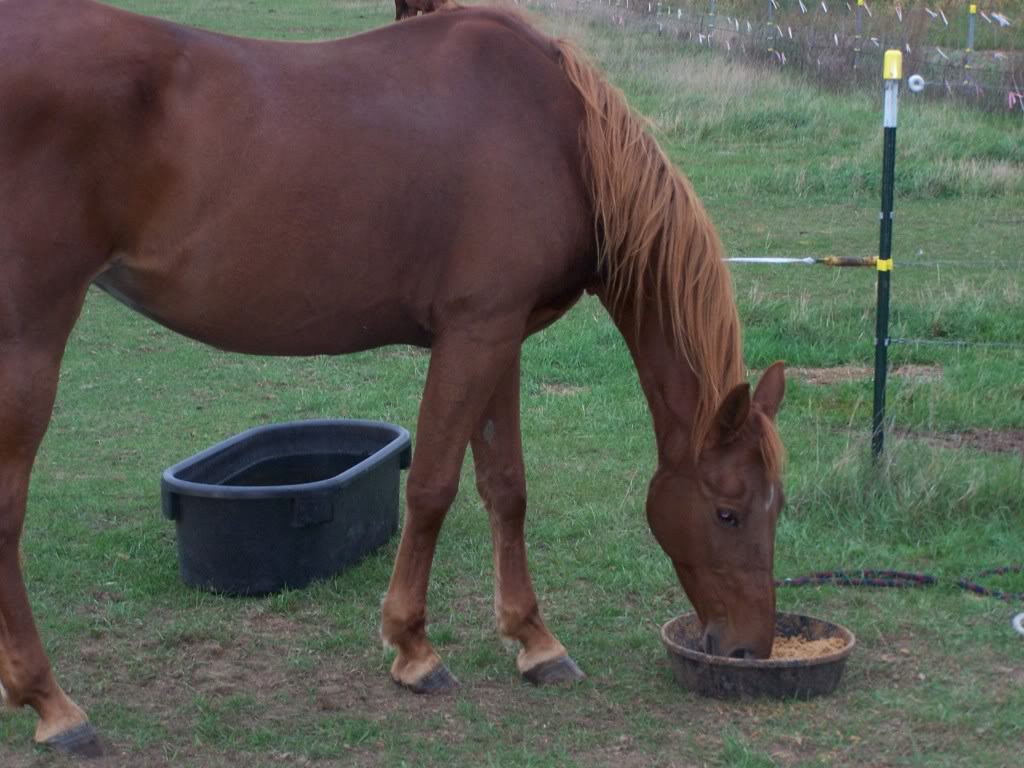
[{"x": 267, "y": 315}]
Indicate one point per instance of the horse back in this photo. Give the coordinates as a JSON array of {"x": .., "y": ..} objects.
[{"x": 207, "y": 176}]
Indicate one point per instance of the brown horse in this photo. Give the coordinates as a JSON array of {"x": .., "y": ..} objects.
[
  {"x": 405, "y": 9},
  {"x": 201, "y": 179}
]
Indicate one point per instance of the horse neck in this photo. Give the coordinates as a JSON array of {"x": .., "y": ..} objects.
[{"x": 668, "y": 383}]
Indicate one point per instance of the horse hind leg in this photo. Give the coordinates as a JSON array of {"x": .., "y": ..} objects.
[
  {"x": 501, "y": 481},
  {"x": 464, "y": 368}
]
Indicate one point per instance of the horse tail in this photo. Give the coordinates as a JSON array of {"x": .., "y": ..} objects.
[{"x": 655, "y": 240}]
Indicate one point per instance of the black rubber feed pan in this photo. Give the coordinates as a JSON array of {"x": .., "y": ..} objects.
[
  {"x": 721, "y": 677},
  {"x": 282, "y": 505}
]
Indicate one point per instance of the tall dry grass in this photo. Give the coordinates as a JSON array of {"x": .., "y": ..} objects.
[{"x": 831, "y": 141}]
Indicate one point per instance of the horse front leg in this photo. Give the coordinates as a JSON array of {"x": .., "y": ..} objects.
[
  {"x": 501, "y": 481},
  {"x": 28, "y": 385},
  {"x": 464, "y": 368}
]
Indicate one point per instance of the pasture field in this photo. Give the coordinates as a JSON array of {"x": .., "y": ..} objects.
[{"x": 174, "y": 677}]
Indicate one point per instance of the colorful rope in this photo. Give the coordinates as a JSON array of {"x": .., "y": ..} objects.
[
  {"x": 978, "y": 589},
  {"x": 863, "y": 578},
  {"x": 904, "y": 580}
]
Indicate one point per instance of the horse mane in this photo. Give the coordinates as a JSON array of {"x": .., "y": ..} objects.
[{"x": 657, "y": 243}]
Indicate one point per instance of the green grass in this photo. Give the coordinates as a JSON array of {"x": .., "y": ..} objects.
[{"x": 176, "y": 677}]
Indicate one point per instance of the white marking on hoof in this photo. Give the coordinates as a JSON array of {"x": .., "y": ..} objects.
[{"x": 3, "y": 696}]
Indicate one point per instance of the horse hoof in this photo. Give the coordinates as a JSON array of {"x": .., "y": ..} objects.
[
  {"x": 560, "y": 671},
  {"x": 438, "y": 680},
  {"x": 80, "y": 741}
]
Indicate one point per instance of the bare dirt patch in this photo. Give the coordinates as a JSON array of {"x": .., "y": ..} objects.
[
  {"x": 244, "y": 680},
  {"x": 562, "y": 390},
  {"x": 844, "y": 373},
  {"x": 984, "y": 440},
  {"x": 402, "y": 351}
]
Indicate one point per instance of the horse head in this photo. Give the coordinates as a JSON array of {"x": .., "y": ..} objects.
[{"x": 717, "y": 524}]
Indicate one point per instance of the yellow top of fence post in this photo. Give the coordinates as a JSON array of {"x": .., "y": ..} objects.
[
  {"x": 972, "y": 8},
  {"x": 892, "y": 65}
]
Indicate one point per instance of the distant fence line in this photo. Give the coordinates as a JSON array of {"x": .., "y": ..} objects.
[
  {"x": 823, "y": 39},
  {"x": 957, "y": 343}
]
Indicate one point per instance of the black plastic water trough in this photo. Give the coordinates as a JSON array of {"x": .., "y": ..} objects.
[{"x": 282, "y": 505}]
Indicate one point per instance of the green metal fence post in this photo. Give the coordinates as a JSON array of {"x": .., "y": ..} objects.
[
  {"x": 857, "y": 37},
  {"x": 972, "y": 17},
  {"x": 892, "y": 72}
]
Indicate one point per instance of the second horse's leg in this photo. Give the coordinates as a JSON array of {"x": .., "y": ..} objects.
[
  {"x": 501, "y": 480},
  {"x": 463, "y": 370}
]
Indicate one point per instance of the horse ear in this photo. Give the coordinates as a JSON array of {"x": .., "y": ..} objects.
[
  {"x": 770, "y": 389},
  {"x": 731, "y": 415}
]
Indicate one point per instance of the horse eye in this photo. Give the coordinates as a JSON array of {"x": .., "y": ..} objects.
[{"x": 728, "y": 517}]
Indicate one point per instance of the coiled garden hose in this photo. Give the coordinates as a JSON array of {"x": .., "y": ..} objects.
[{"x": 906, "y": 579}]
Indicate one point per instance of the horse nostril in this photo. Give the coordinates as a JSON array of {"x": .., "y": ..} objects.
[{"x": 743, "y": 653}]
